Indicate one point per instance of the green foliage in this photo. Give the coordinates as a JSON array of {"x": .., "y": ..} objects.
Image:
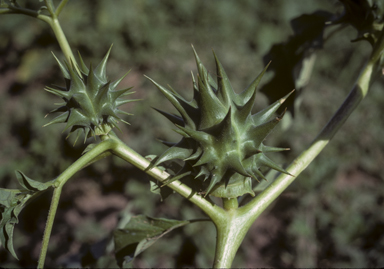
[
  {"x": 13, "y": 201},
  {"x": 139, "y": 234}
]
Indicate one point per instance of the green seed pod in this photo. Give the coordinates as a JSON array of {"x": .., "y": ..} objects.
[
  {"x": 222, "y": 140},
  {"x": 90, "y": 99}
]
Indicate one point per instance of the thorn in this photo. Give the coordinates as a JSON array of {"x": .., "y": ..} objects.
[{"x": 282, "y": 100}]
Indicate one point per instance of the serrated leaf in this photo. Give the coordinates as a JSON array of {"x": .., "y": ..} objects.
[{"x": 140, "y": 233}]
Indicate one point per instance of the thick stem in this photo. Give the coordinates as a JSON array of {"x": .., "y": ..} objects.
[
  {"x": 230, "y": 234},
  {"x": 230, "y": 203}
]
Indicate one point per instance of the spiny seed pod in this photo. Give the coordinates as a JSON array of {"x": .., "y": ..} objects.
[
  {"x": 90, "y": 99},
  {"x": 222, "y": 140}
]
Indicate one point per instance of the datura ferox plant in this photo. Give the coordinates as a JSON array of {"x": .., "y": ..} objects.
[
  {"x": 222, "y": 143},
  {"x": 91, "y": 101}
]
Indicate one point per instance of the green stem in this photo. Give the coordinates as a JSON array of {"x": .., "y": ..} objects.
[
  {"x": 230, "y": 235},
  {"x": 60, "y": 7},
  {"x": 230, "y": 203},
  {"x": 126, "y": 153},
  {"x": 60, "y": 36},
  {"x": 63, "y": 43},
  {"x": 50, "y": 7},
  {"x": 49, "y": 225},
  {"x": 58, "y": 185}
]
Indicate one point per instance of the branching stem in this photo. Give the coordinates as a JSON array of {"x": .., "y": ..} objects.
[
  {"x": 58, "y": 185},
  {"x": 232, "y": 228},
  {"x": 111, "y": 144}
]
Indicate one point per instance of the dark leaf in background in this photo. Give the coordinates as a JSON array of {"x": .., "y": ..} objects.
[
  {"x": 290, "y": 59},
  {"x": 139, "y": 234},
  {"x": 366, "y": 16}
]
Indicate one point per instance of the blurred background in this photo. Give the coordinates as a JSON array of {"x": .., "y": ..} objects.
[{"x": 331, "y": 216}]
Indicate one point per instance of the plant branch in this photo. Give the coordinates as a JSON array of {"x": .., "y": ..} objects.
[
  {"x": 58, "y": 185},
  {"x": 60, "y": 7},
  {"x": 126, "y": 153},
  {"x": 29, "y": 12},
  {"x": 51, "y": 7},
  {"x": 49, "y": 225},
  {"x": 64, "y": 45},
  {"x": 230, "y": 235}
]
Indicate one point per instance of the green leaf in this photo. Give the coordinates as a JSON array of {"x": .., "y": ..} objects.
[
  {"x": 30, "y": 184},
  {"x": 9, "y": 217},
  {"x": 7, "y": 196},
  {"x": 13, "y": 201},
  {"x": 140, "y": 233}
]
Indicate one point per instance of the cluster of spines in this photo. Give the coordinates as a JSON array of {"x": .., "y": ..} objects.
[
  {"x": 220, "y": 135},
  {"x": 90, "y": 99}
]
